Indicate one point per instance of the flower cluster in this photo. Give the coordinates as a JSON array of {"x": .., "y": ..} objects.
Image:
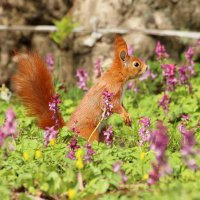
[
  {"x": 73, "y": 145},
  {"x": 97, "y": 68},
  {"x": 169, "y": 73},
  {"x": 9, "y": 128},
  {"x": 108, "y": 135},
  {"x": 50, "y": 134},
  {"x": 108, "y": 107},
  {"x": 160, "y": 51},
  {"x": 189, "y": 55},
  {"x": 159, "y": 143},
  {"x": 188, "y": 143},
  {"x": 50, "y": 61},
  {"x": 53, "y": 106},
  {"x": 144, "y": 132},
  {"x": 164, "y": 102},
  {"x": 185, "y": 73},
  {"x": 117, "y": 169},
  {"x": 130, "y": 50},
  {"x": 89, "y": 152},
  {"x": 148, "y": 74},
  {"x": 82, "y": 76}
]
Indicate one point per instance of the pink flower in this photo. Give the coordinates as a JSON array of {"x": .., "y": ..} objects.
[
  {"x": 98, "y": 68},
  {"x": 159, "y": 143},
  {"x": 49, "y": 134},
  {"x": 169, "y": 73},
  {"x": 107, "y": 105},
  {"x": 189, "y": 55},
  {"x": 117, "y": 169},
  {"x": 50, "y": 61},
  {"x": 164, "y": 102},
  {"x": 82, "y": 76},
  {"x": 185, "y": 72},
  {"x": 148, "y": 74},
  {"x": 130, "y": 50},
  {"x": 89, "y": 152},
  {"x": 160, "y": 51},
  {"x": 144, "y": 132},
  {"x": 188, "y": 150},
  {"x": 108, "y": 135},
  {"x": 53, "y": 106}
]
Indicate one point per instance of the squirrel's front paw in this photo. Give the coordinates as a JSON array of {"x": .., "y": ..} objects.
[{"x": 127, "y": 120}]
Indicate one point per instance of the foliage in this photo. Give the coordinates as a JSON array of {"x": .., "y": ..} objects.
[
  {"x": 32, "y": 169},
  {"x": 64, "y": 27}
]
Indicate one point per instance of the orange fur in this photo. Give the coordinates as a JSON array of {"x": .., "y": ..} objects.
[
  {"x": 36, "y": 93},
  {"x": 33, "y": 84}
]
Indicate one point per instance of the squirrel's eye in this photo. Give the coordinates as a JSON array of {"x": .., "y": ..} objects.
[{"x": 136, "y": 64}]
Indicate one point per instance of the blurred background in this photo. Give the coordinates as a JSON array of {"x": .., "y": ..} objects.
[{"x": 86, "y": 30}]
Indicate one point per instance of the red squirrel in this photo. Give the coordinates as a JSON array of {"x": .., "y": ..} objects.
[{"x": 33, "y": 84}]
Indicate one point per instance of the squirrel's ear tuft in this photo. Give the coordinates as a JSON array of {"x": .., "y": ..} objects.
[{"x": 121, "y": 49}]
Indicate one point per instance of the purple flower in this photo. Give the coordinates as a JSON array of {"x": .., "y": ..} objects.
[
  {"x": 49, "y": 59},
  {"x": 130, "y": 50},
  {"x": 107, "y": 105},
  {"x": 164, "y": 102},
  {"x": 73, "y": 144},
  {"x": 185, "y": 73},
  {"x": 10, "y": 125},
  {"x": 189, "y": 55},
  {"x": 148, "y": 74},
  {"x": 188, "y": 150},
  {"x": 160, "y": 51},
  {"x": 97, "y": 68},
  {"x": 144, "y": 132},
  {"x": 53, "y": 106},
  {"x": 108, "y": 135},
  {"x": 82, "y": 76},
  {"x": 169, "y": 73},
  {"x": 49, "y": 134},
  {"x": 117, "y": 169},
  {"x": 159, "y": 143},
  {"x": 89, "y": 152}
]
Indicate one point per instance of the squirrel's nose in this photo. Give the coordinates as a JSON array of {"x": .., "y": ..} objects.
[{"x": 147, "y": 67}]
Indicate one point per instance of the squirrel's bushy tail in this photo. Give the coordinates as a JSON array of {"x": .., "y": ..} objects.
[{"x": 33, "y": 84}]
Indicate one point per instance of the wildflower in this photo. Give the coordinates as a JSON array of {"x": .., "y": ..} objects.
[
  {"x": 71, "y": 193},
  {"x": 148, "y": 74},
  {"x": 53, "y": 106},
  {"x": 169, "y": 73},
  {"x": 25, "y": 155},
  {"x": 130, "y": 50},
  {"x": 50, "y": 61},
  {"x": 189, "y": 55},
  {"x": 160, "y": 51},
  {"x": 146, "y": 176},
  {"x": 159, "y": 143},
  {"x": 9, "y": 127},
  {"x": 89, "y": 152},
  {"x": 49, "y": 135},
  {"x": 73, "y": 145},
  {"x": 108, "y": 135},
  {"x": 82, "y": 76},
  {"x": 142, "y": 155},
  {"x": 10, "y": 124},
  {"x": 185, "y": 73},
  {"x": 79, "y": 156},
  {"x": 164, "y": 102},
  {"x": 188, "y": 143},
  {"x": 38, "y": 154},
  {"x": 107, "y": 97},
  {"x": 52, "y": 142},
  {"x": 117, "y": 169},
  {"x": 5, "y": 93},
  {"x": 98, "y": 68},
  {"x": 144, "y": 132}
]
